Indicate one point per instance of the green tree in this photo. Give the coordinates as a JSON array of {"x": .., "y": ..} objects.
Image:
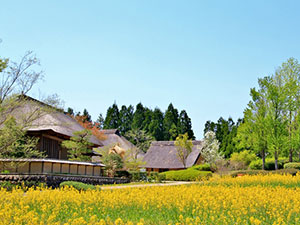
[
  {"x": 70, "y": 111},
  {"x": 87, "y": 116},
  {"x": 148, "y": 116},
  {"x": 14, "y": 143},
  {"x": 252, "y": 134},
  {"x": 156, "y": 128},
  {"x": 289, "y": 73},
  {"x": 16, "y": 80},
  {"x": 140, "y": 139},
  {"x": 100, "y": 121},
  {"x": 138, "y": 117},
  {"x": 226, "y": 131},
  {"x": 170, "y": 123},
  {"x": 79, "y": 146},
  {"x": 112, "y": 119},
  {"x": 126, "y": 117},
  {"x": 112, "y": 161},
  {"x": 185, "y": 124},
  {"x": 184, "y": 147}
]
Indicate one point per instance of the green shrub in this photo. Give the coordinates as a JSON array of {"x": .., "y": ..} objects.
[
  {"x": 269, "y": 164},
  {"x": 187, "y": 175},
  {"x": 293, "y": 165},
  {"x": 5, "y": 172},
  {"x": 245, "y": 157},
  {"x": 153, "y": 176},
  {"x": 264, "y": 172},
  {"x": 202, "y": 167},
  {"x": 122, "y": 173},
  {"x": 161, "y": 177},
  {"x": 77, "y": 185},
  {"x": 138, "y": 176},
  {"x": 291, "y": 171}
]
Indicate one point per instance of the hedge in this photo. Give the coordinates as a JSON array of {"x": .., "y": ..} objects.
[
  {"x": 292, "y": 166},
  {"x": 291, "y": 171},
  {"x": 77, "y": 185},
  {"x": 186, "y": 175},
  {"x": 202, "y": 167},
  {"x": 269, "y": 164}
]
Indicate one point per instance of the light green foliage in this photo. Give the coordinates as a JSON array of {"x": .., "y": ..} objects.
[
  {"x": 79, "y": 145},
  {"x": 269, "y": 164},
  {"x": 292, "y": 166},
  {"x": 271, "y": 123},
  {"x": 15, "y": 144},
  {"x": 112, "y": 161},
  {"x": 131, "y": 160},
  {"x": 210, "y": 149},
  {"x": 202, "y": 167},
  {"x": 186, "y": 175},
  {"x": 184, "y": 147},
  {"x": 78, "y": 185},
  {"x": 140, "y": 139},
  {"x": 245, "y": 157},
  {"x": 226, "y": 131}
]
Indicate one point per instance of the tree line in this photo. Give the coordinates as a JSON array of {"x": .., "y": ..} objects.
[
  {"x": 161, "y": 126},
  {"x": 271, "y": 122}
]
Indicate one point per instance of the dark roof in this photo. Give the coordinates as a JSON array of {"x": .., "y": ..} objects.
[
  {"x": 51, "y": 119},
  {"x": 163, "y": 155}
]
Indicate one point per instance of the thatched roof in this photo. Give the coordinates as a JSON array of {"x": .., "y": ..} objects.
[
  {"x": 163, "y": 155},
  {"x": 113, "y": 137},
  {"x": 50, "y": 119}
]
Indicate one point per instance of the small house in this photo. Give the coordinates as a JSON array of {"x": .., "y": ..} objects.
[{"x": 162, "y": 156}]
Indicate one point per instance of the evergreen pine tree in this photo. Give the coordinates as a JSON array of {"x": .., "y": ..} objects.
[
  {"x": 126, "y": 117},
  {"x": 100, "y": 121},
  {"x": 170, "y": 123},
  {"x": 148, "y": 113},
  {"x": 70, "y": 111},
  {"x": 138, "y": 117},
  {"x": 185, "y": 125},
  {"x": 112, "y": 119},
  {"x": 156, "y": 128},
  {"x": 87, "y": 116}
]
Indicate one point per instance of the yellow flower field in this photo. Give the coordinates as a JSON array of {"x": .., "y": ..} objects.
[{"x": 272, "y": 199}]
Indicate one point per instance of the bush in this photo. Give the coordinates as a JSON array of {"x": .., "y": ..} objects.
[
  {"x": 186, "y": 175},
  {"x": 202, "y": 167},
  {"x": 161, "y": 177},
  {"x": 153, "y": 176},
  {"x": 245, "y": 157},
  {"x": 292, "y": 166},
  {"x": 138, "y": 176},
  {"x": 122, "y": 173},
  {"x": 77, "y": 185},
  {"x": 264, "y": 172},
  {"x": 269, "y": 165},
  {"x": 5, "y": 172}
]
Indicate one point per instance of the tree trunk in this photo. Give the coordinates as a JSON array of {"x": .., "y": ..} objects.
[
  {"x": 291, "y": 155},
  {"x": 276, "y": 160},
  {"x": 290, "y": 134},
  {"x": 263, "y": 159}
]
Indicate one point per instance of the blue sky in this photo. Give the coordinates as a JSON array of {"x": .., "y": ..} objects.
[{"x": 203, "y": 56}]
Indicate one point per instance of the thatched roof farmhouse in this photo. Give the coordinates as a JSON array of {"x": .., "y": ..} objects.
[
  {"x": 162, "y": 156},
  {"x": 51, "y": 126}
]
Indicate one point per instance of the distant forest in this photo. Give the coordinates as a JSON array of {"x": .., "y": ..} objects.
[{"x": 161, "y": 126}]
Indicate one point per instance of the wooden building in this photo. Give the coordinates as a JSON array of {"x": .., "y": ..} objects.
[
  {"x": 162, "y": 156},
  {"x": 51, "y": 126}
]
